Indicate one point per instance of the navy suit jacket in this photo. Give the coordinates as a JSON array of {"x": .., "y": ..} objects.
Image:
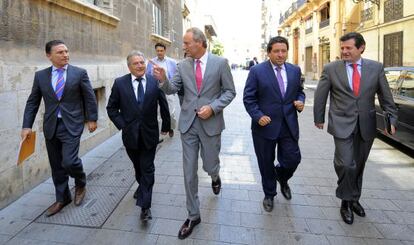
[
  {"x": 77, "y": 105},
  {"x": 138, "y": 121},
  {"x": 262, "y": 97}
]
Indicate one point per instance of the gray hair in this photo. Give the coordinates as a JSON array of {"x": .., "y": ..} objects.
[
  {"x": 135, "y": 53},
  {"x": 198, "y": 35}
]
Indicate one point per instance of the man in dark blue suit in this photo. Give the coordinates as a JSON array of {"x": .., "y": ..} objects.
[
  {"x": 69, "y": 102},
  {"x": 272, "y": 96},
  {"x": 132, "y": 107}
]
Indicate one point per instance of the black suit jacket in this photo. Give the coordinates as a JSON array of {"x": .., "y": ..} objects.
[
  {"x": 77, "y": 105},
  {"x": 136, "y": 121}
]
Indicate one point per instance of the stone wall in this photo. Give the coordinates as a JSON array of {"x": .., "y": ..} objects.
[{"x": 98, "y": 40}]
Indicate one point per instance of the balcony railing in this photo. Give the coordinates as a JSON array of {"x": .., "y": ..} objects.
[
  {"x": 295, "y": 6},
  {"x": 309, "y": 30},
  {"x": 324, "y": 23},
  {"x": 366, "y": 14}
]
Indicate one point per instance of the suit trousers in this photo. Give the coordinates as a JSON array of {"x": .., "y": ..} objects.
[
  {"x": 349, "y": 162},
  {"x": 143, "y": 161},
  {"x": 193, "y": 141},
  {"x": 288, "y": 156},
  {"x": 63, "y": 149}
]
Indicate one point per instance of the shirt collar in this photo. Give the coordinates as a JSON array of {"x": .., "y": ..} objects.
[
  {"x": 134, "y": 77},
  {"x": 359, "y": 62},
  {"x": 54, "y": 68},
  {"x": 204, "y": 58},
  {"x": 159, "y": 60},
  {"x": 274, "y": 66}
]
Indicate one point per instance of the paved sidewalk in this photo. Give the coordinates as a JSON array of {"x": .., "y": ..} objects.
[{"x": 236, "y": 215}]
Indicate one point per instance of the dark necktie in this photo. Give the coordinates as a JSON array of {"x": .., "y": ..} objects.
[{"x": 140, "y": 93}]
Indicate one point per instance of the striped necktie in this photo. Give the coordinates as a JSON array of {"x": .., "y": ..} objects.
[{"x": 60, "y": 83}]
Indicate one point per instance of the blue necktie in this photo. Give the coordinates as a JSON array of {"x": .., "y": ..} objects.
[
  {"x": 60, "y": 83},
  {"x": 140, "y": 94}
]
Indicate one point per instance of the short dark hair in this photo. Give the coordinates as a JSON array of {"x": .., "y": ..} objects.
[
  {"x": 160, "y": 45},
  {"x": 359, "y": 39},
  {"x": 277, "y": 39},
  {"x": 51, "y": 44}
]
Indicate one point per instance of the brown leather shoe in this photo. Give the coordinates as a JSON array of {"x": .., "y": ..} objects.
[
  {"x": 56, "y": 207},
  {"x": 187, "y": 228},
  {"x": 79, "y": 195}
]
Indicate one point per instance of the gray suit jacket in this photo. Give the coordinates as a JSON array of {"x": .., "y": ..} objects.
[
  {"x": 77, "y": 105},
  {"x": 345, "y": 109},
  {"x": 217, "y": 90}
]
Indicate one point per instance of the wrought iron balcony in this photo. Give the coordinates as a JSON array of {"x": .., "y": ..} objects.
[{"x": 366, "y": 14}]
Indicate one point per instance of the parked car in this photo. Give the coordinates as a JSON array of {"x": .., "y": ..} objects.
[{"x": 401, "y": 82}]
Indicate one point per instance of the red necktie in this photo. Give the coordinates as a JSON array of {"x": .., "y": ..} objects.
[
  {"x": 355, "y": 79},
  {"x": 198, "y": 75}
]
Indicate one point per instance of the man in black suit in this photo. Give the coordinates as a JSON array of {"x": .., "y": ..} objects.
[
  {"x": 253, "y": 62},
  {"x": 132, "y": 107},
  {"x": 69, "y": 102}
]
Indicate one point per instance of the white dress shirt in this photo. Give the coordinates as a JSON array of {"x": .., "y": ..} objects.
[
  {"x": 135, "y": 84},
  {"x": 282, "y": 72},
  {"x": 203, "y": 64}
]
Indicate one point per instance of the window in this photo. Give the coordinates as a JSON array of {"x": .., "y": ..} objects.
[
  {"x": 407, "y": 87},
  {"x": 308, "y": 25},
  {"x": 324, "y": 13},
  {"x": 393, "y": 49},
  {"x": 157, "y": 18},
  {"x": 393, "y": 10},
  {"x": 392, "y": 78}
]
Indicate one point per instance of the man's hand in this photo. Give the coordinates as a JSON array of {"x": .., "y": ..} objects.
[
  {"x": 392, "y": 131},
  {"x": 25, "y": 133},
  {"x": 164, "y": 133},
  {"x": 319, "y": 125},
  {"x": 205, "y": 112},
  {"x": 299, "y": 105},
  {"x": 264, "y": 120},
  {"x": 92, "y": 125},
  {"x": 158, "y": 72}
]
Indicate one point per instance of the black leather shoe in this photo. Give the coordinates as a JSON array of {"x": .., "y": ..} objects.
[
  {"x": 136, "y": 194},
  {"x": 216, "y": 185},
  {"x": 346, "y": 212},
  {"x": 268, "y": 204},
  {"x": 187, "y": 228},
  {"x": 146, "y": 214},
  {"x": 285, "y": 189},
  {"x": 358, "y": 209}
]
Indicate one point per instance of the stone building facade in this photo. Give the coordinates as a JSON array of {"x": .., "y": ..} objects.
[
  {"x": 99, "y": 35},
  {"x": 314, "y": 27}
]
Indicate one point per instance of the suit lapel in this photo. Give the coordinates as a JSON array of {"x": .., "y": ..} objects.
[
  {"x": 343, "y": 76},
  {"x": 68, "y": 80},
  {"x": 206, "y": 72},
  {"x": 49, "y": 82},
  {"x": 130, "y": 90},
  {"x": 192, "y": 75},
  {"x": 290, "y": 79},
  {"x": 364, "y": 76}
]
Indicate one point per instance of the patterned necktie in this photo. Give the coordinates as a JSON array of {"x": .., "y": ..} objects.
[
  {"x": 198, "y": 75},
  {"x": 60, "y": 83},
  {"x": 356, "y": 78},
  {"x": 280, "y": 80},
  {"x": 140, "y": 93}
]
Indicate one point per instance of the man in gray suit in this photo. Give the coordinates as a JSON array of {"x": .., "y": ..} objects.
[
  {"x": 208, "y": 88},
  {"x": 69, "y": 102},
  {"x": 352, "y": 84}
]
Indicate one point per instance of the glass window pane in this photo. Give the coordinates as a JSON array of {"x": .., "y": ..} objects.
[
  {"x": 392, "y": 78},
  {"x": 407, "y": 87}
]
